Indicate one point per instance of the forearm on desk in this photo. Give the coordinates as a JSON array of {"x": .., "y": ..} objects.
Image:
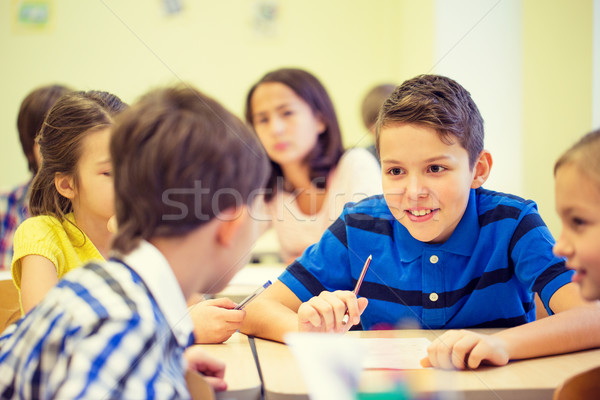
[
  {"x": 269, "y": 319},
  {"x": 571, "y": 330}
]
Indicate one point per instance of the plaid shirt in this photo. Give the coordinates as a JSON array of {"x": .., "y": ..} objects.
[
  {"x": 106, "y": 330},
  {"x": 13, "y": 211}
]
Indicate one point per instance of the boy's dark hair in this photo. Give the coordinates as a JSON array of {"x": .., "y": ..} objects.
[
  {"x": 34, "y": 108},
  {"x": 329, "y": 147},
  {"x": 68, "y": 122},
  {"x": 440, "y": 103},
  {"x": 179, "y": 158},
  {"x": 373, "y": 101},
  {"x": 585, "y": 154}
]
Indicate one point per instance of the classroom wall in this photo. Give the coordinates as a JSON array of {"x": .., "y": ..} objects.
[
  {"x": 557, "y": 91},
  {"x": 479, "y": 45},
  {"x": 218, "y": 46},
  {"x": 528, "y": 64}
]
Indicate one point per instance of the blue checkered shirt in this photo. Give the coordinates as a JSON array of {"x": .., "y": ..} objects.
[
  {"x": 13, "y": 210},
  {"x": 109, "y": 330}
]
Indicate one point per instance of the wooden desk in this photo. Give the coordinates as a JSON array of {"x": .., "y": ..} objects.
[
  {"x": 527, "y": 379},
  {"x": 241, "y": 374}
]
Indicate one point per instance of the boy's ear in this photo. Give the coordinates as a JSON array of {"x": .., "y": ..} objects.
[
  {"x": 481, "y": 169},
  {"x": 65, "y": 185},
  {"x": 231, "y": 220}
]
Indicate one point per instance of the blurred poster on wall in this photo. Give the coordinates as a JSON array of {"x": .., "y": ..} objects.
[
  {"x": 172, "y": 7},
  {"x": 265, "y": 18},
  {"x": 32, "y": 16}
]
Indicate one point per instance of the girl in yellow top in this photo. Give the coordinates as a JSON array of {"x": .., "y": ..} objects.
[{"x": 71, "y": 196}]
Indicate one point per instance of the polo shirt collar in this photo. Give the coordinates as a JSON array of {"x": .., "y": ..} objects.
[
  {"x": 461, "y": 242},
  {"x": 150, "y": 264}
]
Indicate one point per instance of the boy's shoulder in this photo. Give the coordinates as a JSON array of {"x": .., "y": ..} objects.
[
  {"x": 489, "y": 200},
  {"x": 103, "y": 290},
  {"x": 96, "y": 312}
]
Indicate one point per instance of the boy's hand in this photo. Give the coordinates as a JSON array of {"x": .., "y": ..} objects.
[
  {"x": 212, "y": 369},
  {"x": 324, "y": 313},
  {"x": 460, "y": 349},
  {"x": 215, "y": 320}
]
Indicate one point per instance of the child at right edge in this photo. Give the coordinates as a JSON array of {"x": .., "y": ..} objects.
[
  {"x": 577, "y": 190},
  {"x": 446, "y": 252}
]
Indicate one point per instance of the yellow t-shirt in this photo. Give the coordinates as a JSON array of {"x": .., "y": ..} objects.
[{"x": 62, "y": 243}]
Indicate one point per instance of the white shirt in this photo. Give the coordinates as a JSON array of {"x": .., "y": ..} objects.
[{"x": 357, "y": 176}]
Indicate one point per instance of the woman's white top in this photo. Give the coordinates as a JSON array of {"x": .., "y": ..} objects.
[{"x": 357, "y": 176}]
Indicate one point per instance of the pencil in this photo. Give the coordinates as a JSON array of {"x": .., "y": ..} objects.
[
  {"x": 251, "y": 297},
  {"x": 358, "y": 284}
]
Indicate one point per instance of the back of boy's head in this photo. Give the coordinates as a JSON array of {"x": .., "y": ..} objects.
[
  {"x": 585, "y": 154},
  {"x": 34, "y": 108},
  {"x": 439, "y": 103},
  {"x": 373, "y": 101},
  {"x": 68, "y": 122},
  {"x": 179, "y": 159}
]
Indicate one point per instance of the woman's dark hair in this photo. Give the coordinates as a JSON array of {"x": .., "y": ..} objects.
[{"x": 329, "y": 148}]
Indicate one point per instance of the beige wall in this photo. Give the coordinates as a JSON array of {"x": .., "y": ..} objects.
[
  {"x": 557, "y": 91},
  {"x": 129, "y": 47}
]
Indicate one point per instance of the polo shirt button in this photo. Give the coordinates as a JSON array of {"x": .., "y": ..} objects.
[
  {"x": 434, "y": 297},
  {"x": 434, "y": 259}
]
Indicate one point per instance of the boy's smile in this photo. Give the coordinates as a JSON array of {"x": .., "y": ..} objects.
[{"x": 426, "y": 181}]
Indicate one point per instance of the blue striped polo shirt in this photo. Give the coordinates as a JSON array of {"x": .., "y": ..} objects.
[{"x": 484, "y": 275}]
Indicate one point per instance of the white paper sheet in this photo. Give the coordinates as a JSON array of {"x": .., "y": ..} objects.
[
  {"x": 394, "y": 353},
  {"x": 330, "y": 363}
]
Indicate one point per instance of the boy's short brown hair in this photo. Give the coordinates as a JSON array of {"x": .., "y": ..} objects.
[
  {"x": 440, "y": 103},
  {"x": 180, "y": 158},
  {"x": 585, "y": 154}
]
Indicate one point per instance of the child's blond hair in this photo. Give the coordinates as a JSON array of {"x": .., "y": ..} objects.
[{"x": 585, "y": 154}]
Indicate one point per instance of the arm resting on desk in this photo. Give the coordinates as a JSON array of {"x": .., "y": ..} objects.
[
  {"x": 574, "y": 326},
  {"x": 272, "y": 314},
  {"x": 278, "y": 311}
]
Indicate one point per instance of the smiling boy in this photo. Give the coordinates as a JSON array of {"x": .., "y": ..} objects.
[{"x": 446, "y": 252}]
